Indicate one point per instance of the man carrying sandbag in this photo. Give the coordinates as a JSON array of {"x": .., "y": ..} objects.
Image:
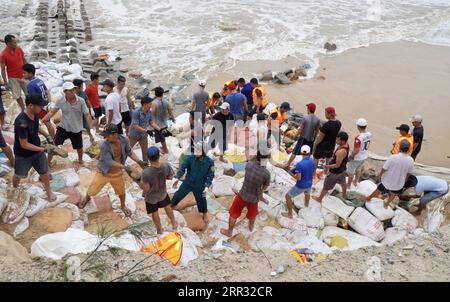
[
  {"x": 256, "y": 181},
  {"x": 153, "y": 183},
  {"x": 199, "y": 169},
  {"x": 114, "y": 151}
]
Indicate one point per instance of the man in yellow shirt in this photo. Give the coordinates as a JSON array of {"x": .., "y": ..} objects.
[{"x": 404, "y": 135}]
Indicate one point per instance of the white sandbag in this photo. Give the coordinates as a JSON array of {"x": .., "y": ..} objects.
[
  {"x": 238, "y": 184},
  {"x": 71, "y": 177},
  {"x": 366, "y": 224},
  {"x": 312, "y": 217},
  {"x": 299, "y": 202},
  {"x": 366, "y": 187},
  {"x": 36, "y": 205},
  {"x": 190, "y": 243},
  {"x": 272, "y": 209},
  {"x": 73, "y": 156},
  {"x": 295, "y": 223},
  {"x": 329, "y": 218},
  {"x": 311, "y": 242},
  {"x": 376, "y": 207},
  {"x": 392, "y": 235},
  {"x": 60, "y": 198},
  {"x": 337, "y": 206},
  {"x": 17, "y": 205},
  {"x": 3, "y": 204},
  {"x": 280, "y": 176},
  {"x": 354, "y": 240},
  {"x": 75, "y": 241},
  {"x": 71, "y": 77},
  {"x": 77, "y": 224},
  {"x": 21, "y": 227},
  {"x": 73, "y": 208},
  {"x": 261, "y": 240},
  {"x": 75, "y": 69},
  {"x": 404, "y": 220},
  {"x": 222, "y": 185},
  {"x": 434, "y": 217}
]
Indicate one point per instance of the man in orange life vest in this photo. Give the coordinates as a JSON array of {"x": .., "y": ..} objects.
[
  {"x": 277, "y": 117},
  {"x": 404, "y": 135}
]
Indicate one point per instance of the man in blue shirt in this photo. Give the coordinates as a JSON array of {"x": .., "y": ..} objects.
[
  {"x": 247, "y": 90},
  {"x": 37, "y": 86},
  {"x": 238, "y": 105},
  {"x": 199, "y": 177},
  {"x": 304, "y": 172},
  {"x": 138, "y": 129}
]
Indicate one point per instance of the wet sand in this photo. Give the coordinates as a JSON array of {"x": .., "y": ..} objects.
[{"x": 385, "y": 83}]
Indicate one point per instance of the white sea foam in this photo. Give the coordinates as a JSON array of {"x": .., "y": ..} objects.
[{"x": 172, "y": 37}]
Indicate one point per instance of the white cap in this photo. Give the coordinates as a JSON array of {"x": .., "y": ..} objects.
[
  {"x": 416, "y": 118},
  {"x": 68, "y": 86},
  {"x": 202, "y": 83},
  {"x": 361, "y": 122},
  {"x": 305, "y": 149},
  {"x": 225, "y": 106}
]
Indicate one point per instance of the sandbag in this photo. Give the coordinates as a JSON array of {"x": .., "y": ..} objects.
[
  {"x": 21, "y": 227},
  {"x": 190, "y": 244},
  {"x": 18, "y": 201},
  {"x": 194, "y": 221},
  {"x": 312, "y": 216},
  {"x": 261, "y": 240},
  {"x": 337, "y": 206},
  {"x": 393, "y": 234},
  {"x": 404, "y": 220},
  {"x": 311, "y": 242},
  {"x": 376, "y": 207},
  {"x": 272, "y": 209},
  {"x": 36, "y": 204},
  {"x": 223, "y": 185},
  {"x": 299, "y": 202},
  {"x": 434, "y": 216},
  {"x": 366, "y": 187},
  {"x": 294, "y": 223},
  {"x": 366, "y": 224},
  {"x": 330, "y": 219},
  {"x": 75, "y": 69},
  {"x": 354, "y": 240}
]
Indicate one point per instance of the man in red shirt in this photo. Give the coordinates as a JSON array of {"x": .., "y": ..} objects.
[
  {"x": 92, "y": 93},
  {"x": 12, "y": 59}
]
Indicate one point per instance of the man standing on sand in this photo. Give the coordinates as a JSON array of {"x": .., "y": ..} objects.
[
  {"x": 73, "y": 110},
  {"x": 200, "y": 101},
  {"x": 360, "y": 153},
  {"x": 139, "y": 124},
  {"x": 27, "y": 145},
  {"x": 394, "y": 174},
  {"x": 304, "y": 173},
  {"x": 221, "y": 135},
  {"x": 404, "y": 135},
  {"x": 36, "y": 85},
  {"x": 256, "y": 181},
  {"x": 94, "y": 99},
  {"x": 80, "y": 93},
  {"x": 161, "y": 111},
  {"x": 307, "y": 132},
  {"x": 417, "y": 134},
  {"x": 12, "y": 59},
  {"x": 337, "y": 167},
  {"x": 126, "y": 104},
  {"x": 112, "y": 105},
  {"x": 247, "y": 91},
  {"x": 326, "y": 139},
  {"x": 114, "y": 151},
  {"x": 199, "y": 169},
  {"x": 153, "y": 183}
]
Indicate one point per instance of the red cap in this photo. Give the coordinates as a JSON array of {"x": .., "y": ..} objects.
[
  {"x": 330, "y": 110},
  {"x": 231, "y": 86},
  {"x": 311, "y": 107}
]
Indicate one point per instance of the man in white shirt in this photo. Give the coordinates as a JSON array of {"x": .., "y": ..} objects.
[
  {"x": 395, "y": 171},
  {"x": 360, "y": 153},
  {"x": 126, "y": 104},
  {"x": 112, "y": 105}
]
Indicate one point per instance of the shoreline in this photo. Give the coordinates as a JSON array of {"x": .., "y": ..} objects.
[{"x": 383, "y": 75}]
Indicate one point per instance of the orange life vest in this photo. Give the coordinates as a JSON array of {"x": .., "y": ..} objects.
[
  {"x": 409, "y": 138},
  {"x": 263, "y": 102},
  {"x": 226, "y": 92},
  {"x": 281, "y": 117}
]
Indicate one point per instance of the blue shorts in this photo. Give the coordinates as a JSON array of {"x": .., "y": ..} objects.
[
  {"x": 37, "y": 161},
  {"x": 295, "y": 191}
]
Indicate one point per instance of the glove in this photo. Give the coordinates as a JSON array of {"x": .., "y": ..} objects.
[
  {"x": 166, "y": 133},
  {"x": 151, "y": 133}
]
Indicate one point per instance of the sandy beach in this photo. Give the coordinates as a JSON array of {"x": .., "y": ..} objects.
[{"x": 385, "y": 83}]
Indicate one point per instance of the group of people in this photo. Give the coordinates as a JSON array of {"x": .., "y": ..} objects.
[{"x": 320, "y": 145}]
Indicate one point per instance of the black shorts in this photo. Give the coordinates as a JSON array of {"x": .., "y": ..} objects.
[
  {"x": 323, "y": 153},
  {"x": 2, "y": 140},
  {"x": 152, "y": 208},
  {"x": 126, "y": 118},
  {"x": 383, "y": 189},
  {"x": 159, "y": 137},
  {"x": 119, "y": 128},
  {"x": 62, "y": 135},
  {"x": 98, "y": 112}
]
